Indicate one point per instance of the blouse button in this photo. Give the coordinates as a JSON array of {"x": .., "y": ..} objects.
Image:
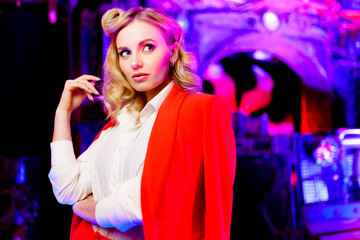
[{"x": 113, "y": 183}]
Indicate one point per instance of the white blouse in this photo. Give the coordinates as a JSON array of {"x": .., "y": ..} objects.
[{"x": 110, "y": 169}]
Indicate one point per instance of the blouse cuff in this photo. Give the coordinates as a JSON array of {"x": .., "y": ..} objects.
[{"x": 62, "y": 151}]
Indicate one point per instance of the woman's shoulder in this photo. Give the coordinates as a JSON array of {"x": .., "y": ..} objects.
[
  {"x": 203, "y": 101},
  {"x": 200, "y": 98}
]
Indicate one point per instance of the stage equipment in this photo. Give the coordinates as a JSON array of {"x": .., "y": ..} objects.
[
  {"x": 327, "y": 168},
  {"x": 263, "y": 196}
]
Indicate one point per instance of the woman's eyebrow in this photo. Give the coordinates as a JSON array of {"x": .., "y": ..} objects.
[
  {"x": 146, "y": 40},
  {"x": 121, "y": 48},
  {"x": 140, "y": 43}
]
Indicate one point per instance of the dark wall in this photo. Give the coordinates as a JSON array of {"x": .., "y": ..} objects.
[{"x": 33, "y": 68}]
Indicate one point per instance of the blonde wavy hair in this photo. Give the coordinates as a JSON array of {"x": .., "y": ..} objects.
[{"x": 116, "y": 89}]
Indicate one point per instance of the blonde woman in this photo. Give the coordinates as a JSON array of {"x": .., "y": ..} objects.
[{"x": 163, "y": 167}]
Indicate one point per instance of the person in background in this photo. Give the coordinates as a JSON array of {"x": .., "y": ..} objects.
[{"x": 163, "y": 166}]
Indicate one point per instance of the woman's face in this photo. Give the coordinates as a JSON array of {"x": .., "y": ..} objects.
[{"x": 144, "y": 57}]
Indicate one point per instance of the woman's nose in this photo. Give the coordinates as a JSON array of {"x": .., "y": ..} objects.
[{"x": 136, "y": 61}]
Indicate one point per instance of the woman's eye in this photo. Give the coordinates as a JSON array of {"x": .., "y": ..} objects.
[
  {"x": 148, "y": 47},
  {"x": 124, "y": 53}
]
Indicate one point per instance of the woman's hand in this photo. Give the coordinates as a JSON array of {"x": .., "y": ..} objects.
[
  {"x": 75, "y": 92},
  {"x": 86, "y": 209}
]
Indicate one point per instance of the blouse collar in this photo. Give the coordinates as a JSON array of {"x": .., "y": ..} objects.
[
  {"x": 154, "y": 104},
  {"x": 128, "y": 118}
]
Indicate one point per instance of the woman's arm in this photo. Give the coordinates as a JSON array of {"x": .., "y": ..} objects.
[
  {"x": 86, "y": 209},
  {"x": 121, "y": 209},
  {"x": 65, "y": 175}
]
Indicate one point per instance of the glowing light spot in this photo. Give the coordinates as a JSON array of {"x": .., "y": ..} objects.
[
  {"x": 315, "y": 191},
  {"x": 262, "y": 55},
  {"x": 167, "y": 5},
  {"x": 293, "y": 179},
  {"x": 184, "y": 22},
  {"x": 21, "y": 177},
  {"x": 271, "y": 21},
  {"x": 214, "y": 71},
  {"x": 52, "y": 16},
  {"x": 327, "y": 153}
]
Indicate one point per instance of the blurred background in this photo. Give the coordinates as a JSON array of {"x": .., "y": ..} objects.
[{"x": 289, "y": 70}]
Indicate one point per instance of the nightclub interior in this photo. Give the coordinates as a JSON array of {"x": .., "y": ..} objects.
[{"x": 289, "y": 71}]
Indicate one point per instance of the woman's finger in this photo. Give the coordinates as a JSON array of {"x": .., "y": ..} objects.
[
  {"x": 87, "y": 86},
  {"x": 88, "y": 78},
  {"x": 84, "y": 85},
  {"x": 90, "y": 97}
]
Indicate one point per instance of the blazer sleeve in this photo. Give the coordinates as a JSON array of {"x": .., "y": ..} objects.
[{"x": 219, "y": 170}]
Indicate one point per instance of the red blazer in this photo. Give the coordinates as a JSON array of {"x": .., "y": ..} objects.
[{"x": 189, "y": 170}]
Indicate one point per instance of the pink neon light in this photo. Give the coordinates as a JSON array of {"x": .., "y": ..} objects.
[
  {"x": 52, "y": 16},
  {"x": 293, "y": 179}
]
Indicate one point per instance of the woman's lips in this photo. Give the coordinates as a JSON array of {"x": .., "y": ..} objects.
[{"x": 138, "y": 77}]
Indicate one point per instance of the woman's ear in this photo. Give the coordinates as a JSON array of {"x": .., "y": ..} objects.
[{"x": 174, "y": 52}]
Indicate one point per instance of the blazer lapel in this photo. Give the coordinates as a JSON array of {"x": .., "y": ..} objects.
[{"x": 159, "y": 155}]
